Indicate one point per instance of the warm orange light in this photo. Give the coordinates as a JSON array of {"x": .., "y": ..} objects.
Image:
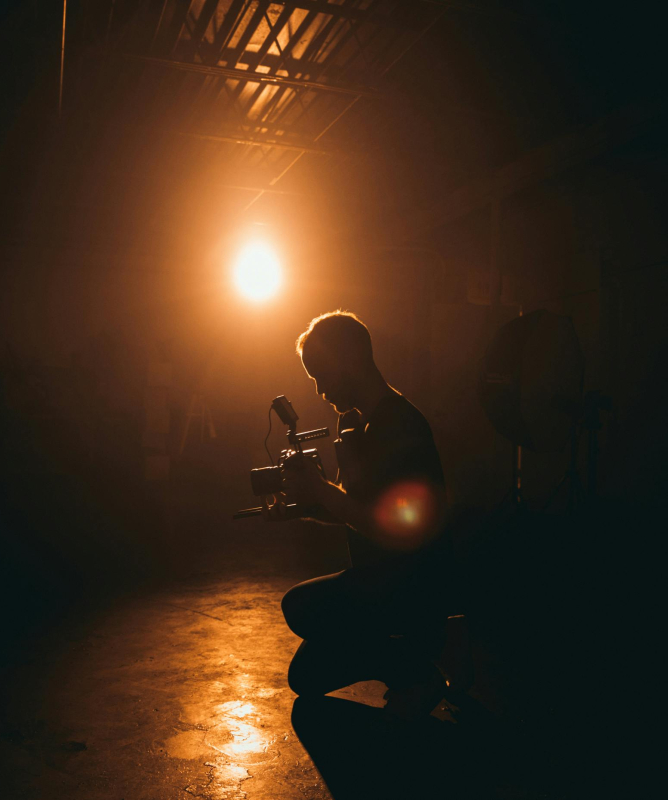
[{"x": 257, "y": 273}]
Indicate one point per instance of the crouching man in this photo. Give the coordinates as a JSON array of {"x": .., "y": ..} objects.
[{"x": 384, "y": 617}]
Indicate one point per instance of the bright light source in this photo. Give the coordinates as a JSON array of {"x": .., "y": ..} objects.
[{"x": 258, "y": 272}]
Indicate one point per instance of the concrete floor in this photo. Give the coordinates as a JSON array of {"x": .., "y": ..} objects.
[
  {"x": 176, "y": 694},
  {"x": 180, "y": 691}
]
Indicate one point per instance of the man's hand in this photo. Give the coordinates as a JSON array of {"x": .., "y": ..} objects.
[
  {"x": 302, "y": 483},
  {"x": 274, "y": 511}
]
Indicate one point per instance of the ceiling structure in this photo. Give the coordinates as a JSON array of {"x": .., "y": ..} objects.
[
  {"x": 341, "y": 114},
  {"x": 263, "y": 82},
  {"x": 246, "y": 97}
]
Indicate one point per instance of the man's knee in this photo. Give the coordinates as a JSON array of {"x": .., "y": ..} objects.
[
  {"x": 291, "y": 606},
  {"x": 313, "y": 606},
  {"x": 296, "y": 681},
  {"x": 301, "y": 679}
]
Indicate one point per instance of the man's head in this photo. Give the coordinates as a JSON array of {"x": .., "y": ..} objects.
[{"x": 337, "y": 354}]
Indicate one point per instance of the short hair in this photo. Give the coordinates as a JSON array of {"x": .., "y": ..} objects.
[{"x": 340, "y": 331}]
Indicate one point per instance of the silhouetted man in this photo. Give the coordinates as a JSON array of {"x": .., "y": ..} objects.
[{"x": 384, "y": 617}]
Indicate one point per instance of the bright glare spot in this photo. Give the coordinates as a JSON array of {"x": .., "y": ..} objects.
[
  {"x": 257, "y": 274},
  {"x": 236, "y": 708},
  {"x": 406, "y": 514}
]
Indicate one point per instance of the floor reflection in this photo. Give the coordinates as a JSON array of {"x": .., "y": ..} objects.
[
  {"x": 238, "y": 735},
  {"x": 236, "y": 708}
]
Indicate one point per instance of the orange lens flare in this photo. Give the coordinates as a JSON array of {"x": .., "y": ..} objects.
[{"x": 406, "y": 515}]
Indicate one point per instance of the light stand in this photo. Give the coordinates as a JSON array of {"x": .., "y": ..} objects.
[{"x": 588, "y": 416}]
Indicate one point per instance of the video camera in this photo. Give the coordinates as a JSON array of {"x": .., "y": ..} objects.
[{"x": 268, "y": 480}]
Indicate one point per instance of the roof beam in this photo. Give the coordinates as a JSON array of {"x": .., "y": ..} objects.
[
  {"x": 307, "y": 149},
  {"x": 349, "y": 105},
  {"x": 254, "y": 77},
  {"x": 352, "y": 13},
  {"x": 266, "y": 189}
]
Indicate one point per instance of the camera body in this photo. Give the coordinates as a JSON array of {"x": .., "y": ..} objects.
[{"x": 267, "y": 480}]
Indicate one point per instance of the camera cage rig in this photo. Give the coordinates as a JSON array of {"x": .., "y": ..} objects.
[{"x": 288, "y": 416}]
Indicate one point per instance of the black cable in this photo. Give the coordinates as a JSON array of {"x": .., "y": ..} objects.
[{"x": 266, "y": 438}]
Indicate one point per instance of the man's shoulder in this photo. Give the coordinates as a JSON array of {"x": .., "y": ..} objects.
[
  {"x": 396, "y": 411},
  {"x": 402, "y": 443}
]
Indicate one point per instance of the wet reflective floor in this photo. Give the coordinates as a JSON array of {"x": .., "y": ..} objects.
[
  {"x": 180, "y": 691},
  {"x": 165, "y": 695}
]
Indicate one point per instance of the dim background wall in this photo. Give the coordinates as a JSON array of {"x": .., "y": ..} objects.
[
  {"x": 83, "y": 322},
  {"x": 590, "y": 244}
]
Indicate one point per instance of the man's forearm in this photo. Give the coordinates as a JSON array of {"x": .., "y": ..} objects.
[
  {"x": 342, "y": 506},
  {"x": 319, "y": 514}
]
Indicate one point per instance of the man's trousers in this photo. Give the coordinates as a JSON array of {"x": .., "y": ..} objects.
[{"x": 378, "y": 622}]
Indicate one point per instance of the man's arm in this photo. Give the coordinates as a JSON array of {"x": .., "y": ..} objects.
[
  {"x": 343, "y": 507},
  {"x": 307, "y": 487},
  {"x": 403, "y": 517},
  {"x": 276, "y": 508}
]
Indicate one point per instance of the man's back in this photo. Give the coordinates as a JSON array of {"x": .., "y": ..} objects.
[{"x": 395, "y": 447}]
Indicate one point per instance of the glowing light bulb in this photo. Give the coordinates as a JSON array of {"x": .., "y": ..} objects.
[{"x": 257, "y": 274}]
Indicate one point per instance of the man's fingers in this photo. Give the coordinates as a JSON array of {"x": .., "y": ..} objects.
[
  {"x": 275, "y": 510},
  {"x": 266, "y": 511}
]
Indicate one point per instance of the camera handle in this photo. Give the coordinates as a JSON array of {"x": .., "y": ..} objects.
[
  {"x": 291, "y": 512},
  {"x": 288, "y": 416},
  {"x": 296, "y": 439}
]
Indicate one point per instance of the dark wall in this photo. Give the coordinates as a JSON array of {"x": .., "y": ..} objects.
[
  {"x": 82, "y": 326},
  {"x": 589, "y": 243}
]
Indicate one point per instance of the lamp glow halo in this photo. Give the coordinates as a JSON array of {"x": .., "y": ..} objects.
[{"x": 257, "y": 273}]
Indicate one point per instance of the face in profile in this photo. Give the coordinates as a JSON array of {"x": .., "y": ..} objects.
[{"x": 332, "y": 378}]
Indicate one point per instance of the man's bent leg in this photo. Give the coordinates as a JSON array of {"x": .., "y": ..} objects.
[
  {"x": 359, "y": 598},
  {"x": 347, "y": 620},
  {"x": 321, "y": 606},
  {"x": 320, "y": 666}
]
